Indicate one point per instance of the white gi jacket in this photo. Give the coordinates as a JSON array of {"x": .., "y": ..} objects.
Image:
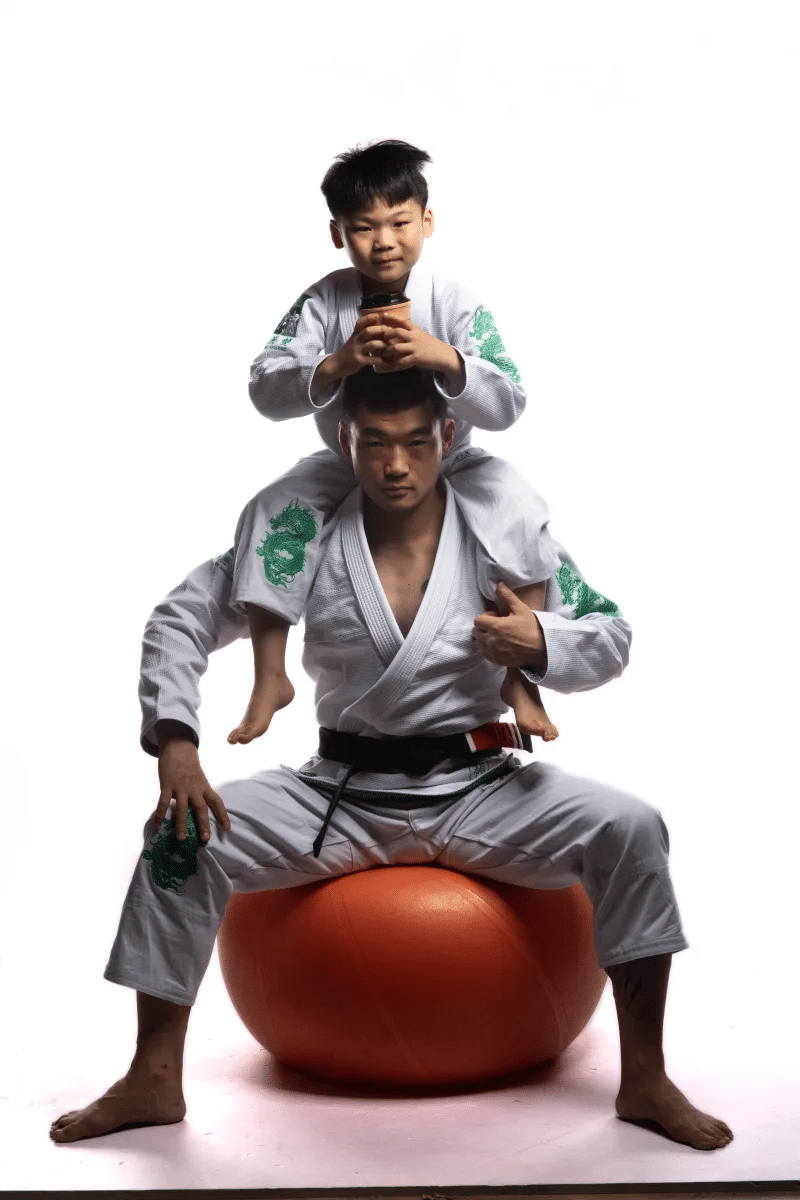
[
  {"x": 321, "y": 321},
  {"x": 369, "y": 679}
]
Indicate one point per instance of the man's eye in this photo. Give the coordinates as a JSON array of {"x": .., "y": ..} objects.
[
  {"x": 400, "y": 224},
  {"x": 420, "y": 442}
]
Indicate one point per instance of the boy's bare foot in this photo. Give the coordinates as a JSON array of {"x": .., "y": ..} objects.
[
  {"x": 133, "y": 1100},
  {"x": 654, "y": 1098},
  {"x": 529, "y": 712},
  {"x": 266, "y": 699}
]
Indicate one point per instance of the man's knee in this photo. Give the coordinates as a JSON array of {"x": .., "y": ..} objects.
[{"x": 631, "y": 826}]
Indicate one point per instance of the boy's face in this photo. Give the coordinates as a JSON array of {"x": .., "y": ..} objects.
[{"x": 384, "y": 241}]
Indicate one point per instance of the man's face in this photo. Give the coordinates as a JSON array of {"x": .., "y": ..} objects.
[
  {"x": 397, "y": 457},
  {"x": 384, "y": 242}
]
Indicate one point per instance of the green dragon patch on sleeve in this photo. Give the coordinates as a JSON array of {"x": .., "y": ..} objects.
[
  {"x": 490, "y": 344},
  {"x": 287, "y": 327},
  {"x": 583, "y": 598}
]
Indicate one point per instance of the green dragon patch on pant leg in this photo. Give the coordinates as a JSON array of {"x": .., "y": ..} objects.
[
  {"x": 172, "y": 862},
  {"x": 284, "y": 550},
  {"x": 585, "y": 599},
  {"x": 490, "y": 344}
]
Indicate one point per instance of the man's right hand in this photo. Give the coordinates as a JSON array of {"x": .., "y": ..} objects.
[{"x": 183, "y": 780}]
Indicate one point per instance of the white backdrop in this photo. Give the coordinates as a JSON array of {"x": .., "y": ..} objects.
[{"x": 618, "y": 180}]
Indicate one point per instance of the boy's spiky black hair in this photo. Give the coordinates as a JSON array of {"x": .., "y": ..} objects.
[
  {"x": 392, "y": 392},
  {"x": 389, "y": 170}
]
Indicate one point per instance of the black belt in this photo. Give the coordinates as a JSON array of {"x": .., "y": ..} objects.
[{"x": 412, "y": 755}]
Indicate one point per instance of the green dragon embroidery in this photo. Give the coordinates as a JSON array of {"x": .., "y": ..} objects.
[
  {"x": 284, "y": 550},
  {"x": 173, "y": 862},
  {"x": 490, "y": 344},
  {"x": 287, "y": 327},
  {"x": 586, "y": 600}
]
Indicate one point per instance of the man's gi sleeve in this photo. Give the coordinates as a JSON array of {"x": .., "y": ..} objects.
[
  {"x": 280, "y": 377},
  {"x": 492, "y": 397},
  {"x": 586, "y": 638},
  {"x": 192, "y": 621}
]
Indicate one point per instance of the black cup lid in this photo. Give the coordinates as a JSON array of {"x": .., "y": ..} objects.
[{"x": 383, "y": 300}]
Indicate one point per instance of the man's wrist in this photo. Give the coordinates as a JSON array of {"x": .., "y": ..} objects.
[{"x": 175, "y": 733}]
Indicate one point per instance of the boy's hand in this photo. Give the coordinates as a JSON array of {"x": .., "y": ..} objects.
[
  {"x": 366, "y": 344},
  {"x": 410, "y": 346},
  {"x": 183, "y": 780}
]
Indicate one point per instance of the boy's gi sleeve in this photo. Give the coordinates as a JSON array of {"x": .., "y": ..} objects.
[
  {"x": 280, "y": 378},
  {"x": 587, "y": 640},
  {"x": 492, "y": 397},
  {"x": 192, "y": 621}
]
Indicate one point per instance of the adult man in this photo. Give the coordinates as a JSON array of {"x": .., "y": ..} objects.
[{"x": 400, "y": 678}]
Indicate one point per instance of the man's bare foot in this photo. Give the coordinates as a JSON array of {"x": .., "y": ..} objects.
[
  {"x": 266, "y": 699},
  {"x": 529, "y": 712},
  {"x": 654, "y": 1098},
  {"x": 130, "y": 1101}
]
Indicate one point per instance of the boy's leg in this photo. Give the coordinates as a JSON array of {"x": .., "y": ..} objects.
[
  {"x": 541, "y": 827},
  {"x": 508, "y": 517},
  {"x": 272, "y": 688},
  {"x": 279, "y": 533},
  {"x": 529, "y": 711}
]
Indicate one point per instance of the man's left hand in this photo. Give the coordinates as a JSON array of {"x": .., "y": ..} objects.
[
  {"x": 510, "y": 638},
  {"x": 410, "y": 346}
]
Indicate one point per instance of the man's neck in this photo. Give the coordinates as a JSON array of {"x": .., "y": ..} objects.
[{"x": 417, "y": 526}]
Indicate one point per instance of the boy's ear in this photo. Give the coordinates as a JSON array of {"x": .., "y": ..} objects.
[
  {"x": 448, "y": 435},
  {"x": 336, "y": 236},
  {"x": 344, "y": 439},
  {"x": 427, "y": 222}
]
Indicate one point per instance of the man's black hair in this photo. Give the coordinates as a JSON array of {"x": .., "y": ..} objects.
[
  {"x": 388, "y": 170},
  {"x": 393, "y": 392}
]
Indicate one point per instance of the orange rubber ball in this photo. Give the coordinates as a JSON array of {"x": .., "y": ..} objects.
[{"x": 411, "y": 975}]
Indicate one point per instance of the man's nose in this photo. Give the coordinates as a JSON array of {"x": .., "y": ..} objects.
[{"x": 397, "y": 462}]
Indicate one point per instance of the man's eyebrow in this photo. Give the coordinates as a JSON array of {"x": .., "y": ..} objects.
[{"x": 373, "y": 432}]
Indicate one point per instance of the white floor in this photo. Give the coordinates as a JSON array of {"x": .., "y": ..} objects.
[{"x": 252, "y": 1125}]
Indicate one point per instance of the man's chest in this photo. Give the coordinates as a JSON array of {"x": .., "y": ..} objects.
[{"x": 404, "y": 578}]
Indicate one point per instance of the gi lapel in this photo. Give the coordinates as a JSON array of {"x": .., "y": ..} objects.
[{"x": 409, "y": 654}]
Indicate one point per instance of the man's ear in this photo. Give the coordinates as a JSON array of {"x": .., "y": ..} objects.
[
  {"x": 427, "y": 223},
  {"x": 344, "y": 440},
  {"x": 336, "y": 237},
  {"x": 448, "y": 433}
]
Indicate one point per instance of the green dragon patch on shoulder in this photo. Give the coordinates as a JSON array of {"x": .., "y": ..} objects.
[
  {"x": 490, "y": 344},
  {"x": 584, "y": 598},
  {"x": 172, "y": 862},
  {"x": 287, "y": 327},
  {"x": 284, "y": 550}
]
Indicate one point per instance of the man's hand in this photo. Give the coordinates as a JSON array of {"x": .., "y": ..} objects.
[
  {"x": 410, "y": 346},
  {"x": 183, "y": 780},
  {"x": 510, "y": 638}
]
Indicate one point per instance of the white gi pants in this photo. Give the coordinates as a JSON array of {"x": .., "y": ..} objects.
[
  {"x": 536, "y": 827},
  {"x": 277, "y": 539}
]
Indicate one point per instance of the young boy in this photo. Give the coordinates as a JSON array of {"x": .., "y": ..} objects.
[{"x": 378, "y": 200}]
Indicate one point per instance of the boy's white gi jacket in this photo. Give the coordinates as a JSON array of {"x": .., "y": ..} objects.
[
  {"x": 322, "y": 319},
  {"x": 369, "y": 679}
]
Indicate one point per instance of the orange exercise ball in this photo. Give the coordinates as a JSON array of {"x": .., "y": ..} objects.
[{"x": 411, "y": 975}]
